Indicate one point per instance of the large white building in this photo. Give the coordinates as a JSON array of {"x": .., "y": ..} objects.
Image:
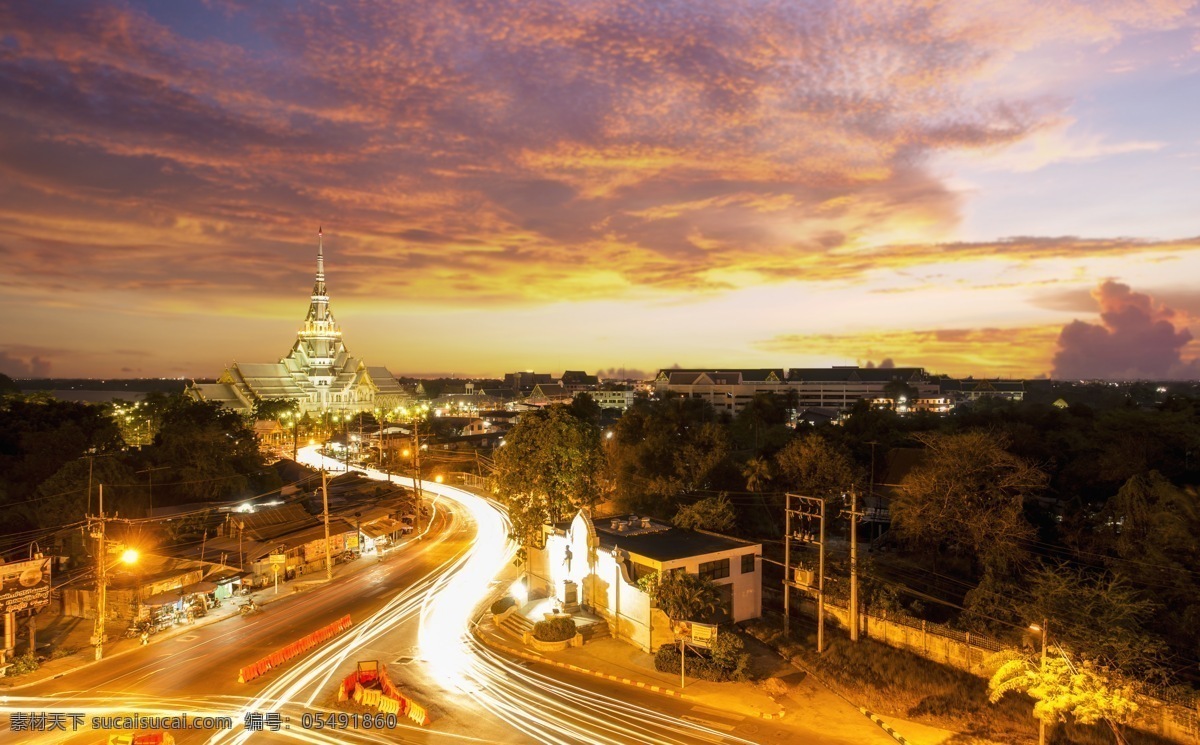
[
  {"x": 317, "y": 373},
  {"x": 598, "y": 562},
  {"x": 833, "y": 388}
]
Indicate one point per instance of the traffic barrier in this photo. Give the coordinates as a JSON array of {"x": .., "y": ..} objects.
[
  {"x": 298, "y": 647},
  {"x": 387, "y": 698}
]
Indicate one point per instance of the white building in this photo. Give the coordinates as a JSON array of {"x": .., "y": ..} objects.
[
  {"x": 317, "y": 374},
  {"x": 613, "y": 399},
  {"x": 597, "y": 563}
]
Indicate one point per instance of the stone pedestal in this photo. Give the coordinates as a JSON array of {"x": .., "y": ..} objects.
[{"x": 569, "y": 595}]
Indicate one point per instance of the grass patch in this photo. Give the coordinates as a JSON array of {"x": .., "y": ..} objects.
[{"x": 899, "y": 683}]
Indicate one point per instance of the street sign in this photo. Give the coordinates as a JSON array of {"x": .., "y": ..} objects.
[{"x": 278, "y": 558}]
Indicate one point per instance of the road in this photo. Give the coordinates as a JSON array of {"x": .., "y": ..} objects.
[{"x": 413, "y": 613}]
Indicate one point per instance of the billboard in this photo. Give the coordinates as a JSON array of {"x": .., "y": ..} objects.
[
  {"x": 26, "y": 584},
  {"x": 695, "y": 633}
]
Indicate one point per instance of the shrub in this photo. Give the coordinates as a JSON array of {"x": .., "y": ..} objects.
[
  {"x": 59, "y": 652},
  {"x": 726, "y": 661},
  {"x": 554, "y": 630},
  {"x": 503, "y": 604},
  {"x": 25, "y": 663}
]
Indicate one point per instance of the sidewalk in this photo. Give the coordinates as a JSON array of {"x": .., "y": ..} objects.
[
  {"x": 613, "y": 659},
  {"x": 806, "y": 700},
  {"x": 78, "y": 631}
]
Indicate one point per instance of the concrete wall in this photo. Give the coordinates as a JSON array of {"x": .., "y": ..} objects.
[{"x": 1180, "y": 723}]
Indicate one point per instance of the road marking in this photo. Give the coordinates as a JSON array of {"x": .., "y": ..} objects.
[
  {"x": 709, "y": 723},
  {"x": 718, "y": 713}
]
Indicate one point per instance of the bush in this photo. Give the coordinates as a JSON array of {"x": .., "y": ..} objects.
[
  {"x": 554, "y": 630},
  {"x": 25, "y": 663},
  {"x": 60, "y": 652},
  {"x": 503, "y": 604},
  {"x": 725, "y": 661}
]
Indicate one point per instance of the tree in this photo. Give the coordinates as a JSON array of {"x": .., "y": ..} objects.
[
  {"x": 682, "y": 596},
  {"x": 584, "y": 408},
  {"x": 967, "y": 497},
  {"x": 213, "y": 453},
  {"x": 1099, "y": 615},
  {"x": 710, "y": 513},
  {"x": 1085, "y": 692},
  {"x": 663, "y": 449},
  {"x": 811, "y": 464},
  {"x": 1146, "y": 532},
  {"x": 757, "y": 472},
  {"x": 551, "y": 464}
]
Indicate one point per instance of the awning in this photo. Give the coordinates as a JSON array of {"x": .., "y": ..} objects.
[
  {"x": 201, "y": 586},
  {"x": 381, "y": 528},
  {"x": 163, "y": 598}
]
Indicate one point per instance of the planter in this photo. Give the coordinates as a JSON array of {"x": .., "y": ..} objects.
[{"x": 542, "y": 646}]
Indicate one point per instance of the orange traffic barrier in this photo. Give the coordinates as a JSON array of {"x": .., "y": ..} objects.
[{"x": 287, "y": 652}]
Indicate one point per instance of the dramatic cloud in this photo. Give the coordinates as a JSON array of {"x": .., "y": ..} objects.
[
  {"x": 18, "y": 367},
  {"x": 1137, "y": 338},
  {"x": 1015, "y": 352},
  {"x": 172, "y": 161}
]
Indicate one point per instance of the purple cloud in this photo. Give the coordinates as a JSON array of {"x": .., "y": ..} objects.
[{"x": 1137, "y": 338}]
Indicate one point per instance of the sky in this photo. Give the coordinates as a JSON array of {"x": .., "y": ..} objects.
[{"x": 978, "y": 188}]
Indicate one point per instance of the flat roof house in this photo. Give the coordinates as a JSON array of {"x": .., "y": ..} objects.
[{"x": 597, "y": 563}]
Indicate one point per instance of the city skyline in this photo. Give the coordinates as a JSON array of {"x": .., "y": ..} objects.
[{"x": 976, "y": 190}]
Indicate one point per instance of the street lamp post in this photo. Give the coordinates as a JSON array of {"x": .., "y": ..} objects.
[
  {"x": 129, "y": 556},
  {"x": 1045, "y": 629}
]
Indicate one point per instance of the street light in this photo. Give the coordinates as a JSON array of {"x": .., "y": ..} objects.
[{"x": 1044, "y": 628}]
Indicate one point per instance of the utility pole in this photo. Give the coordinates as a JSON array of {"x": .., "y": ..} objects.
[
  {"x": 810, "y": 508},
  {"x": 417, "y": 474},
  {"x": 1045, "y": 638},
  {"x": 328, "y": 548},
  {"x": 854, "y": 515},
  {"x": 787, "y": 566},
  {"x": 150, "y": 490},
  {"x": 101, "y": 581}
]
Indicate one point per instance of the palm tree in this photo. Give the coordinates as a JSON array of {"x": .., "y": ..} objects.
[{"x": 757, "y": 473}]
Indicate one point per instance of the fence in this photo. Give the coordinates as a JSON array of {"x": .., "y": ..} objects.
[{"x": 1167, "y": 712}]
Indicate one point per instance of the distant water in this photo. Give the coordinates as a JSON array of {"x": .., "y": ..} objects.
[{"x": 98, "y": 397}]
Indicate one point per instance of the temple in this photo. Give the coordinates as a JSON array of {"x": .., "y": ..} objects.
[{"x": 318, "y": 373}]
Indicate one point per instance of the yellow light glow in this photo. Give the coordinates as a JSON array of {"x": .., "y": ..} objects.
[{"x": 129, "y": 556}]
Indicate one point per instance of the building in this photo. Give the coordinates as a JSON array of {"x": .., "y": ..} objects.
[
  {"x": 597, "y": 563},
  {"x": 837, "y": 388},
  {"x": 577, "y": 381},
  {"x": 621, "y": 400},
  {"x": 973, "y": 390},
  {"x": 318, "y": 373},
  {"x": 544, "y": 394}
]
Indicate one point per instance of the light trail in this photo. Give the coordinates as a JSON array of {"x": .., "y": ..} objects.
[{"x": 446, "y": 601}]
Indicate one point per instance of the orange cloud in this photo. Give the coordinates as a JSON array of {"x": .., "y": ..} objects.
[{"x": 1022, "y": 351}]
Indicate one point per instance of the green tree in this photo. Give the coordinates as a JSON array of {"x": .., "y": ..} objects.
[
  {"x": 1085, "y": 692},
  {"x": 811, "y": 464},
  {"x": 551, "y": 465},
  {"x": 584, "y": 408},
  {"x": 757, "y": 472},
  {"x": 682, "y": 596},
  {"x": 661, "y": 450},
  {"x": 1099, "y": 615},
  {"x": 212, "y": 452},
  {"x": 967, "y": 497},
  {"x": 710, "y": 513}
]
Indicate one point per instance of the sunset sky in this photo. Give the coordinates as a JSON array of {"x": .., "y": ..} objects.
[{"x": 974, "y": 187}]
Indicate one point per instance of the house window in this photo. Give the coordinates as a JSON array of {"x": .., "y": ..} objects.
[
  {"x": 711, "y": 570},
  {"x": 747, "y": 563}
]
